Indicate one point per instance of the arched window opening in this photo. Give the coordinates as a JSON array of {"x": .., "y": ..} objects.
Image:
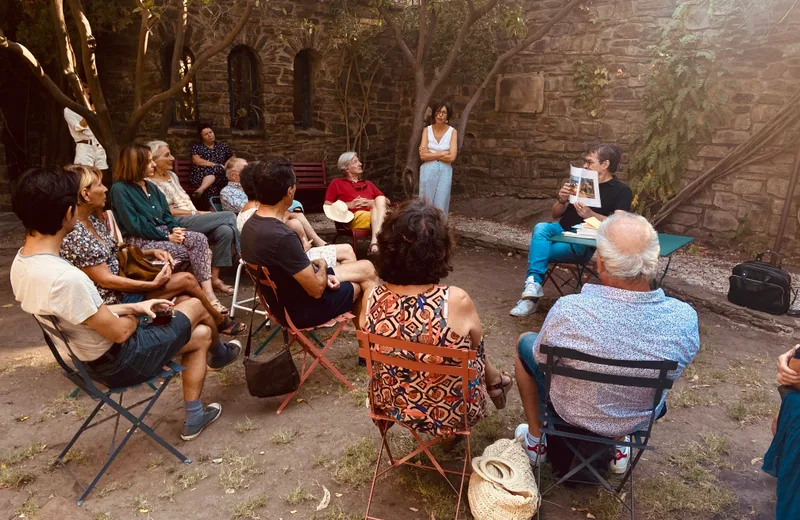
[
  {"x": 302, "y": 88},
  {"x": 185, "y": 103},
  {"x": 243, "y": 89}
]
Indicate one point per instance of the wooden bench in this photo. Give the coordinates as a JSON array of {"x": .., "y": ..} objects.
[
  {"x": 183, "y": 169},
  {"x": 311, "y": 176}
]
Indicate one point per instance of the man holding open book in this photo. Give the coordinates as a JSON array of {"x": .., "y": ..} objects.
[{"x": 614, "y": 195}]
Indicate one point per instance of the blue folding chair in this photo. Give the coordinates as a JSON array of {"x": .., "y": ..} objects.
[
  {"x": 216, "y": 203},
  {"x": 81, "y": 378}
]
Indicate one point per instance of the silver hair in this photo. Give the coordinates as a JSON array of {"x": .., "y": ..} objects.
[
  {"x": 344, "y": 160},
  {"x": 640, "y": 263},
  {"x": 231, "y": 164},
  {"x": 155, "y": 145}
]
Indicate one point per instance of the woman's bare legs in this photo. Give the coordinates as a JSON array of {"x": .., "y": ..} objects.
[
  {"x": 345, "y": 253},
  {"x": 206, "y": 183},
  {"x": 316, "y": 241},
  {"x": 186, "y": 284}
]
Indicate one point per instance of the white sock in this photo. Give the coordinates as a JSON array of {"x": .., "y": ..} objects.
[{"x": 532, "y": 441}]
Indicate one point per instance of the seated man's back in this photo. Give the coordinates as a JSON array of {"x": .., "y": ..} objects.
[{"x": 618, "y": 324}]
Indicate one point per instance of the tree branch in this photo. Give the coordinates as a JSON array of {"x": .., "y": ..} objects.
[
  {"x": 102, "y": 128},
  {"x": 138, "y": 115},
  {"x": 66, "y": 53},
  {"x": 60, "y": 97},
  {"x": 141, "y": 51},
  {"x": 423, "y": 14},
  {"x": 177, "y": 54},
  {"x": 455, "y": 50},
  {"x": 431, "y": 33},
  {"x": 398, "y": 36},
  {"x": 471, "y": 5},
  {"x": 532, "y": 37}
]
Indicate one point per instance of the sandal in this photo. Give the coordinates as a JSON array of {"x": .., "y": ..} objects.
[
  {"x": 500, "y": 399},
  {"x": 223, "y": 288},
  {"x": 231, "y": 327},
  {"x": 219, "y": 307},
  {"x": 373, "y": 249}
]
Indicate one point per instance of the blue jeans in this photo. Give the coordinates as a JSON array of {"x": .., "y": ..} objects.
[
  {"x": 542, "y": 251},
  {"x": 525, "y": 353}
]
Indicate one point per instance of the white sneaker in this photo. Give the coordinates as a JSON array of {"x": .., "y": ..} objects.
[
  {"x": 541, "y": 447},
  {"x": 524, "y": 308},
  {"x": 532, "y": 289},
  {"x": 619, "y": 464}
]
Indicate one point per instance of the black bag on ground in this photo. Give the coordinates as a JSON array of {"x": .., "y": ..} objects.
[
  {"x": 761, "y": 286},
  {"x": 275, "y": 376}
]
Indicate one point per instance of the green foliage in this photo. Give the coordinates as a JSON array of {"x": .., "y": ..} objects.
[
  {"x": 591, "y": 81},
  {"x": 681, "y": 110}
]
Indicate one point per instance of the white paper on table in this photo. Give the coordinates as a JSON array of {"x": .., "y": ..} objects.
[{"x": 585, "y": 188}]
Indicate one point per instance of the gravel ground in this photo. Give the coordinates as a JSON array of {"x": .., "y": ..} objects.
[{"x": 696, "y": 265}]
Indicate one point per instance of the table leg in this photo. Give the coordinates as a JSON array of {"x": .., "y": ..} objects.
[{"x": 666, "y": 269}]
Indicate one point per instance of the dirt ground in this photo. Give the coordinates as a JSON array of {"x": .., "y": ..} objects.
[{"x": 255, "y": 464}]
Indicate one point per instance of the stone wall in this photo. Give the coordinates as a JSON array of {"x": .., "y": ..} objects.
[
  {"x": 275, "y": 38},
  {"x": 527, "y": 155}
]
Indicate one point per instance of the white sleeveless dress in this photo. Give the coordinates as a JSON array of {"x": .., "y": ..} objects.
[{"x": 436, "y": 177}]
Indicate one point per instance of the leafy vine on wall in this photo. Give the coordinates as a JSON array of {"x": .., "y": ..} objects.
[
  {"x": 591, "y": 82},
  {"x": 682, "y": 108}
]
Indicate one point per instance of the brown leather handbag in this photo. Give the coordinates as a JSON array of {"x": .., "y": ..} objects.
[{"x": 132, "y": 262}]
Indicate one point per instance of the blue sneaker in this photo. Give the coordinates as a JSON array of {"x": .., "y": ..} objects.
[{"x": 210, "y": 414}]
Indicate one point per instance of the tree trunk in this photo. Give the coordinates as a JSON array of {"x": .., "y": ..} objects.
[{"x": 410, "y": 174}]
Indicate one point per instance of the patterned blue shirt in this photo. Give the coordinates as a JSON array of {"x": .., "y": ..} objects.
[
  {"x": 615, "y": 323},
  {"x": 232, "y": 197}
]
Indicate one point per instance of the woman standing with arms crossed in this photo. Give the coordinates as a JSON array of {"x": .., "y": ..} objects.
[{"x": 438, "y": 150}]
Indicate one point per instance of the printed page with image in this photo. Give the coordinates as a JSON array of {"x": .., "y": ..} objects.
[{"x": 585, "y": 188}]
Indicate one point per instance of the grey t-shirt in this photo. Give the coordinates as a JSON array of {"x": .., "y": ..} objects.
[{"x": 47, "y": 285}]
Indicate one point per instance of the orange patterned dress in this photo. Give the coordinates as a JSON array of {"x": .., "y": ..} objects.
[{"x": 428, "y": 403}]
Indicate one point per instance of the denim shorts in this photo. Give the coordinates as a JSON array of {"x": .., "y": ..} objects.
[{"x": 143, "y": 354}]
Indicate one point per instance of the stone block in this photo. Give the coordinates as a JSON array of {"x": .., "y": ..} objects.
[
  {"x": 566, "y": 126},
  {"x": 557, "y": 107},
  {"x": 772, "y": 99},
  {"x": 763, "y": 113},
  {"x": 777, "y": 187},
  {"x": 719, "y": 220},
  {"x": 744, "y": 187},
  {"x": 726, "y": 200},
  {"x": 684, "y": 218},
  {"x": 742, "y": 122}
]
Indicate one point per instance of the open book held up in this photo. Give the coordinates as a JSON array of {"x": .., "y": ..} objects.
[{"x": 585, "y": 188}]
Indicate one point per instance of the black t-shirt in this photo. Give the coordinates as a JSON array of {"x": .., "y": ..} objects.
[
  {"x": 268, "y": 242},
  {"x": 614, "y": 195}
]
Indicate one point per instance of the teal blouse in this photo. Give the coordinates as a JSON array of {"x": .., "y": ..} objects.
[{"x": 138, "y": 214}]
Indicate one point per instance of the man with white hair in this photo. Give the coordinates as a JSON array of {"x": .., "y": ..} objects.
[
  {"x": 361, "y": 197},
  {"x": 620, "y": 319}
]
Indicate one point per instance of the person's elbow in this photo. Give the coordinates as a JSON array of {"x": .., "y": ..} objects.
[{"x": 316, "y": 292}]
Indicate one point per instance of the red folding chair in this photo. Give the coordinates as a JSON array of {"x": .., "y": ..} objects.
[
  {"x": 343, "y": 230},
  {"x": 373, "y": 348},
  {"x": 279, "y": 315}
]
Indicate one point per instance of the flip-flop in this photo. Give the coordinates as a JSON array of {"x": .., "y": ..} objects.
[
  {"x": 373, "y": 249},
  {"x": 231, "y": 327},
  {"x": 500, "y": 400}
]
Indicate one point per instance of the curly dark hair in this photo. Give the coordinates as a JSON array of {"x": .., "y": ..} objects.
[{"x": 415, "y": 244}]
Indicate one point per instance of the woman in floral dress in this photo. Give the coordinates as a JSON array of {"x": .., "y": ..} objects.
[{"x": 208, "y": 164}]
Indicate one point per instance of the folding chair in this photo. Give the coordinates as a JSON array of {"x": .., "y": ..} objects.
[
  {"x": 253, "y": 304},
  {"x": 342, "y": 230},
  {"x": 563, "y": 275},
  {"x": 277, "y": 313},
  {"x": 372, "y": 347},
  {"x": 216, "y": 203},
  {"x": 554, "y": 426},
  {"x": 83, "y": 380}
]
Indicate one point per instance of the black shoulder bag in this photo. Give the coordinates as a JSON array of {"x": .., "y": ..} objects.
[
  {"x": 761, "y": 286},
  {"x": 276, "y": 375}
]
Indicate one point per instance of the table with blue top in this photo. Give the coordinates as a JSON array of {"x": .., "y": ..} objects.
[{"x": 668, "y": 244}]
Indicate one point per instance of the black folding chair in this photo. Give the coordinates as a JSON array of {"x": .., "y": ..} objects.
[
  {"x": 554, "y": 426},
  {"x": 81, "y": 378}
]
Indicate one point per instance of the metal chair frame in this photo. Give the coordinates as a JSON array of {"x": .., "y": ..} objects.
[
  {"x": 370, "y": 349},
  {"x": 639, "y": 439},
  {"x": 317, "y": 350},
  {"x": 81, "y": 378}
]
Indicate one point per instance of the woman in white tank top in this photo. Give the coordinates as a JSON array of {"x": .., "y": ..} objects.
[{"x": 437, "y": 151}]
